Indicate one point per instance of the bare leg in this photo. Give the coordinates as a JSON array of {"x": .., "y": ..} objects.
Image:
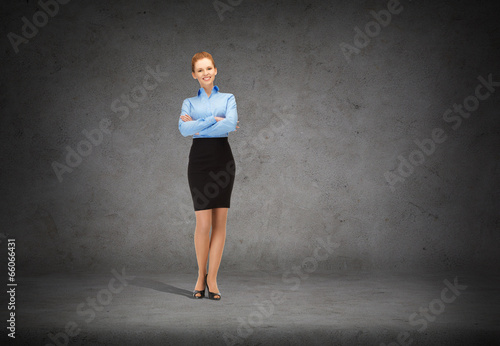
[
  {"x": 201, "y": 244},
  {"x": 217, "y": 240}
]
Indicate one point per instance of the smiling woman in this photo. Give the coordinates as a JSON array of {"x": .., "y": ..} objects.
[{"x": 209, "y": 117}]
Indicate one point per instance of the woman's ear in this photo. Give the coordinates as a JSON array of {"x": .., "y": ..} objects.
[{"x": 194, "y": 76}]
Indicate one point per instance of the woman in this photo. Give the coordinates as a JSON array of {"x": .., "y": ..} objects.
[{"x": 209, "y": 117}]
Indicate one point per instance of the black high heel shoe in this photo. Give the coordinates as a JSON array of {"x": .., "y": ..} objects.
[
  {"x": 202, "y": 292},
  {"x": 212, "y": 295}
]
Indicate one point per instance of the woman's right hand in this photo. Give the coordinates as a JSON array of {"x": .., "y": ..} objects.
[
  {"x": 186, "y": 117},
  {"x": 220, "y": 118}
]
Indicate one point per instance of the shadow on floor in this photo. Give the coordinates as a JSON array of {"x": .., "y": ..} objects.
[{"x": 161, "y": 287}]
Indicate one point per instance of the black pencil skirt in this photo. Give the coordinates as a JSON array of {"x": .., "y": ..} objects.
[{"x": 211, "y": 172}]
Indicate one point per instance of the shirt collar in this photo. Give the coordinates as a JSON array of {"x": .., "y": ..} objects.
[{"x": 214, "y": 90}]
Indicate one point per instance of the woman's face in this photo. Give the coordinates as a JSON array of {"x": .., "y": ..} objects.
[{"x": 204, "y": 72}]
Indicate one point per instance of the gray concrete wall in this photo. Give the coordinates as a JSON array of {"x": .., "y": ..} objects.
[{"x": 327, "y": 115}]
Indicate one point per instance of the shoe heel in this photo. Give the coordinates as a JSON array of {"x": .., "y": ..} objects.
[
  {"x": 202, "y": 292},
  {"x": 211, "y": 295}
]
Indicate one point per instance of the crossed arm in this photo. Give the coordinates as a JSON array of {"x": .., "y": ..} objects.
[
  {"x": 188, "y": 126},
  {"x": 211, "y": 125}
]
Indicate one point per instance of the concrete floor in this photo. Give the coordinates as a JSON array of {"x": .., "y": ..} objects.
[{"x": 359, "y": 308}]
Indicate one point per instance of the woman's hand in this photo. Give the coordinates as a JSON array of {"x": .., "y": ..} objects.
[
  {"x": 197, "y": 133},
  {"x": 220, "y": 118},
  {"x": 186, "y": 117}
]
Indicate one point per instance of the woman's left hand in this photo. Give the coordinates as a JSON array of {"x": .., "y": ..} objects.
[{"x": 186, "y": 117}]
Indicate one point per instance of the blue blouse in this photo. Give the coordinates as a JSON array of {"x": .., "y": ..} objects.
[{"x": 204, "y": 109}]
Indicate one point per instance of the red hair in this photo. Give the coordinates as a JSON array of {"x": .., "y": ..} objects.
[{"x": 199, "y": 56}]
